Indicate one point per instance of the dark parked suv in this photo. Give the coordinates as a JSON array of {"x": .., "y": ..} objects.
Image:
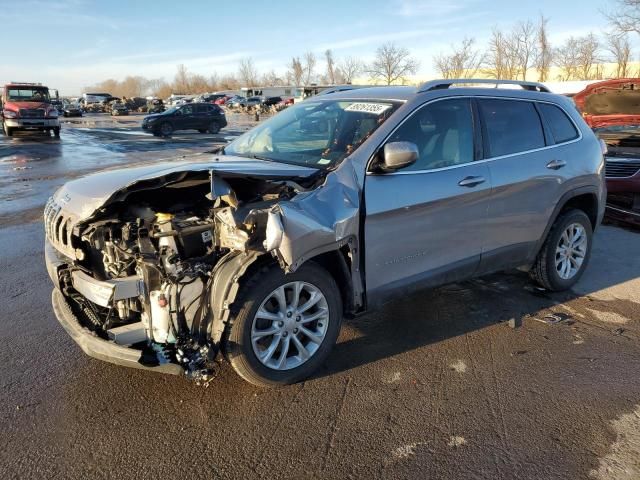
[
  {"x": 332, "y": 207},
  {"x": 204, "y": 117}
]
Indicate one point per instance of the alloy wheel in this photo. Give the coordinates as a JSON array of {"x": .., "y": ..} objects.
[
  {"x": 290, "y": 325},
  {"x": 571, "y": 251}
]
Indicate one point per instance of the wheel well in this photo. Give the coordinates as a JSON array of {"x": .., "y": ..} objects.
[
  {"x": 587, "y": 202},
  {"x": 337, "y": 263}
]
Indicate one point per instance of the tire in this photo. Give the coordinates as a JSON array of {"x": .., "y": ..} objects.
[
  {"x": 213, "y": 127},
  {"x": 56, "y": 132},
  {"x": 237, "y": 341},
  {"x": 8, "y": 131},
  {"x": 166, "y": 129},
  {"x": 545, "y": 270},
  {"x": 202, "y": 130}
]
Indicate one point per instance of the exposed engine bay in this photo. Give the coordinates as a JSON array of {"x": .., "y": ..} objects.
[{"x": 157, "y": 246}]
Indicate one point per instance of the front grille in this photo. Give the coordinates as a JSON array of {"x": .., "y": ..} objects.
[
  {"x": 57, "y": 228},
  {"x": 621, "y": 168},
  {"x": 32, "y": 112}
]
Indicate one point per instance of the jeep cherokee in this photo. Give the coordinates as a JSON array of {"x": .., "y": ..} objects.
[{"x": 329, "y": 209}]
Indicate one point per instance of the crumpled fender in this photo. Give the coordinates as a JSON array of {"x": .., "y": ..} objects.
[{"x": 315, "y": 222}]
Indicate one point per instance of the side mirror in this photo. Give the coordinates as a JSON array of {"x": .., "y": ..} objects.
[{"x": 397, "y": 155}]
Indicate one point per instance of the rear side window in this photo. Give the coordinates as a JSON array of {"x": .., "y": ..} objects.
[
  {"x": 511, "y": 126},
  {"x": 562, "y": 128}
]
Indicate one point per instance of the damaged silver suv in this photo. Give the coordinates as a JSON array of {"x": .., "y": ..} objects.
[{"x": 329, "y": 209}]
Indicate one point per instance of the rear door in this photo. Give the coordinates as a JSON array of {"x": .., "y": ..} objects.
[
  {"x": 527, "y": 174},
  {"x": 425, "y": 224}
]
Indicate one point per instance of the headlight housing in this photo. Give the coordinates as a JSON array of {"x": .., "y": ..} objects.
[
  {"x": 9, "y": 114},
  {"x": 53, "y": 113}
]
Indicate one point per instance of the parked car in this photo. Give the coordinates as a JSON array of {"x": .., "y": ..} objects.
[
  {"x": 268, "y": 101},
  {"x": 237, "y": 101},
  {"x": 155, "y": 106},
  {"x": 71, "y": 110},
  {"x": 118, "y": 109},
  {"x": 259, "y": 251},
  {"x": 612, "y": 109},
  {"x": 204, "y": 117},
  {"x": 223, "y": 100}
]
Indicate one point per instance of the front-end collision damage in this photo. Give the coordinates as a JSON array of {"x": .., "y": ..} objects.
[{"x": 166, "y": 256}]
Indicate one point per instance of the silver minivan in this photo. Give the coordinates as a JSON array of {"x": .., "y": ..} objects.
[{"x": 329, "y": 209}]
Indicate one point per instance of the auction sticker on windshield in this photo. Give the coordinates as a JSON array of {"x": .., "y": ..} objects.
[{"x": 375, "y": 108}]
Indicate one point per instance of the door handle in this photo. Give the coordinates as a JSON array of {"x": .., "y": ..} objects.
[
  {"x": 471, "y": 181},
  {"x": 556, "y": 164}
]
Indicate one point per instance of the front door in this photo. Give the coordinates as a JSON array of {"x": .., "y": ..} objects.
[{"x": 425, "y": 224}]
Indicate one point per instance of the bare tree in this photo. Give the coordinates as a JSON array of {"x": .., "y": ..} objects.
[
  {"x": 272, "y": 79},
  {"x": 619, "y": 47},
  {"x": 331, "y": 67},
  {"x": 526, "y": 48},
  {"x": 295, "y": 72},
  {"x": 309, "y": 67},
  {"x": 502, "y": 60},
  {"x": 392, "y": 64},
  {"x": 578, "y": 58},
  {"x": 462, "y": 62},
  {"x": 247, "y": 72},
  {"x": 349, "y": 68},
  {"x": 229, "y": 82},
  {"x": 544, "y": 52},
  {"x": 626, "y": 16},
  {"x": 181, "y": 79}
]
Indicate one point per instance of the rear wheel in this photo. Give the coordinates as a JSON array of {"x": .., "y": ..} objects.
[
  {"x": 213, "y": 127},
  {"x": 565, "y": 253},
  {"x": 166, "y": 129},
  {"x": 285, "y": 325}
]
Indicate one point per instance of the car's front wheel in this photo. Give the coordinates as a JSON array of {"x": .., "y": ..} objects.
[
  {"x": 166, "y": 129},
  {"x": 284, "y": 326},
  {"x": 565, "y": 253}
]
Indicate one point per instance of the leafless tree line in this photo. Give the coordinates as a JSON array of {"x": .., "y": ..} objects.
[{"x": 525, "y": 50}]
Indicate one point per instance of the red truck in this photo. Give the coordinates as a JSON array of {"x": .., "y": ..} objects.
[
  {"x": 27, "y": 106},
  {"x": 612, "y": 109}
]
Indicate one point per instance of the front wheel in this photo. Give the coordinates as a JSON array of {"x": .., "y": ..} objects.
[
  {"x": 166, "y": 129},
  {"x": 56, "y": 132},
  {"x": 285, "y": 325},
  {"x": 565, "y": 253}
]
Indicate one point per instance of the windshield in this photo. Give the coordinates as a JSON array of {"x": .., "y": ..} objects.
[
  {"x": 317, "y": 134},
  {"x": 27, "y": 94}
]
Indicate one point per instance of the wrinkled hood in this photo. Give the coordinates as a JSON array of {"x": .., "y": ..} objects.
[
  {"x": 12, "y": 105},
  {"x": 82, "y": 197},
  {"x": 610, "y": 103}
]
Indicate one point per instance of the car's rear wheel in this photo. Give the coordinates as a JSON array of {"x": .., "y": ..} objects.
[
  {"x": 214, "y": 127},
  {"x": 285, "y": 325},
  {"x": 565, "y": 253},
  {"x": 166, "y": 129}
]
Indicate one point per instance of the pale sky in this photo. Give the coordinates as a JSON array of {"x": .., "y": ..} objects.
[{"x": 71, "y": 44}]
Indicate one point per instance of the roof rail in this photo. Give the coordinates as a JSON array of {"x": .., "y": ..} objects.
[{"x": 443, "y": 84}]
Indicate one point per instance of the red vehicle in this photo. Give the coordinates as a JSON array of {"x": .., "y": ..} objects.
[
  {"x": 612, "y": 109},
  {"x": 222, "y": 100},
  {"x": 27, "y": 106}
]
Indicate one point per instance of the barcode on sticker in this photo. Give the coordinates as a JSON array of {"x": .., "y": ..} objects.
[{"x": 375, "y": 108}]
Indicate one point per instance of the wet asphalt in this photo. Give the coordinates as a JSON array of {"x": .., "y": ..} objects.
[{"x": 436, "y": 386}]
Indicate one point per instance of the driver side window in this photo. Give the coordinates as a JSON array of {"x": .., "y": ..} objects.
[{"x": 443, "y": 133}]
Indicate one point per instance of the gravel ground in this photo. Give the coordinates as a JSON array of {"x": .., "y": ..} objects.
[{"x": 434, "y": 386}]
